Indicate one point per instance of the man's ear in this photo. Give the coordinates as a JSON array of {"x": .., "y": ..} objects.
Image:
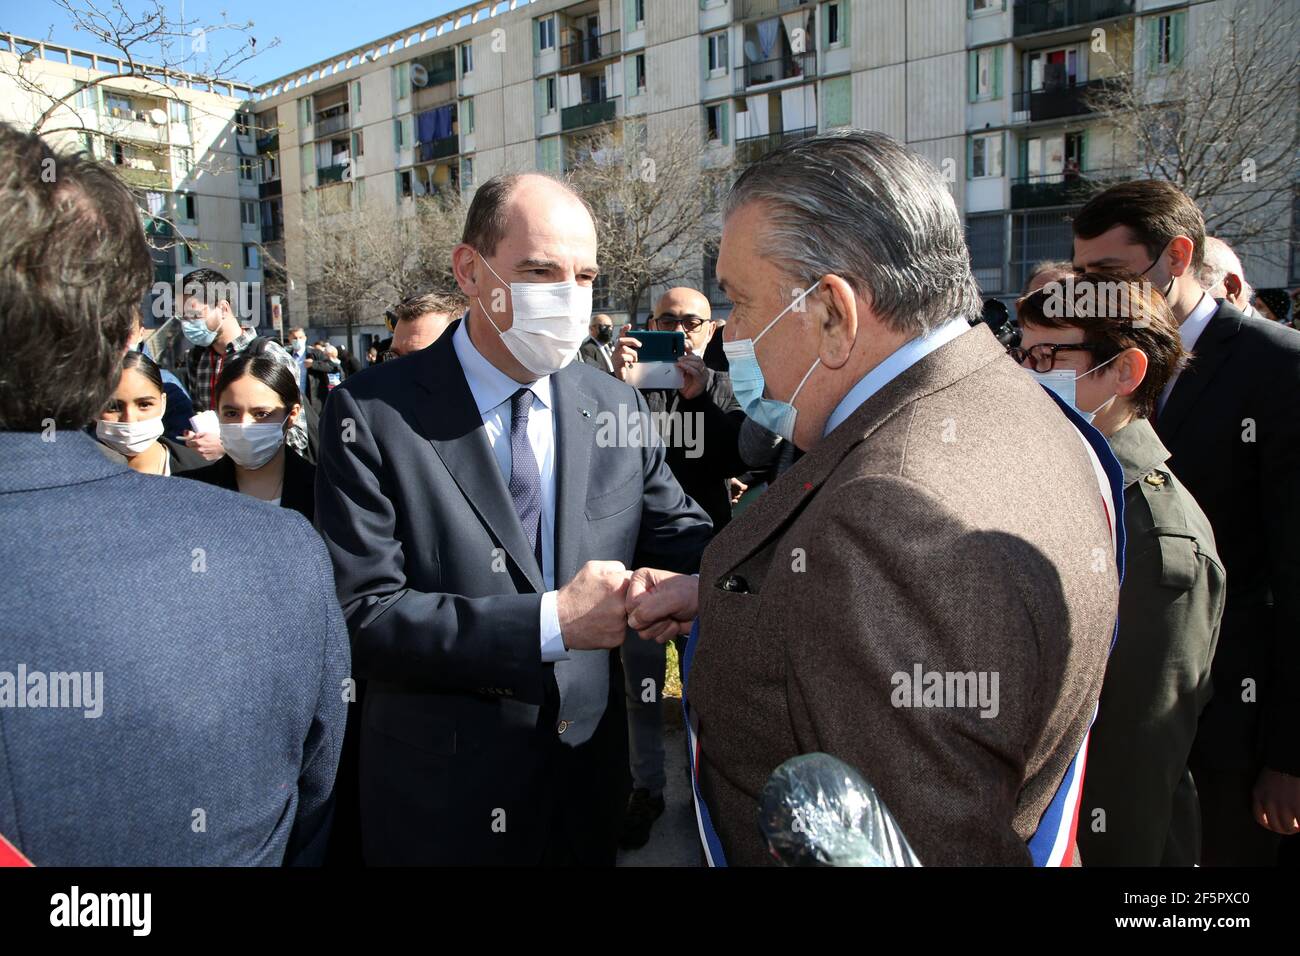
[
  {"x": 840, "y": 323},
  {"x": 1130, "y": 370},
  {"x": 1180, "y": 255},
  {"x": 1231, "y": 286},
  {"x": 462, "y": 266}
]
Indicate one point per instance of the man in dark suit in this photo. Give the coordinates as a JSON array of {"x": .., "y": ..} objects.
[
  {"x": 878, "y": 603},
  {"x": 482, "y": 508},
  {"x": 1229, "y": 421},
  {"x": 597, "y": 348},
  {"x": 206, "y": 712}
]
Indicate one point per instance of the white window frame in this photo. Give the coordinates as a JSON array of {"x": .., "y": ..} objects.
[
  {"x": 718, "y": 52},
  {"x": 709, "y": 108},
  {"x": 552, "y": 95},
  {"x": 546, "y": 31},
  {"x": 466, "y": 55},
  {"x": 244, "y": 219},
  {"x": 985, "y": 55},
  {"x": 839, "y": 24},
  {"x": 639, "y": 73}
]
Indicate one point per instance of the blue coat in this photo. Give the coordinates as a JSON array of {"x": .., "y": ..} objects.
[{"x": 210, "y": 651}]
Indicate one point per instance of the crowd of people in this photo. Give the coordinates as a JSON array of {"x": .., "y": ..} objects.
[{"x": 1041, "y": 589}]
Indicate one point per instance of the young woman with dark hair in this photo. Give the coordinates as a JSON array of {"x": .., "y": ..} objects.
[
  {"x": 131, "y": 423},
  {"x": 256, "y": 400}
]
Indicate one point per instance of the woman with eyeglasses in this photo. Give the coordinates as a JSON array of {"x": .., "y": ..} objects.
[
  {"x": 257, "y": 400},
  {"x": 131, "y": 423},
  {"x": 1108, "y": 345}
]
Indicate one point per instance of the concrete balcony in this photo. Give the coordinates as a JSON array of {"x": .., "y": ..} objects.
[
  {"x": 1064, "y": 189},
  {"x": 590, "y": 50},
  {"x": 588, "y": 114},
  {"x": 1063, "y": 100},
  {"x": 753, "y": 148},
  {"x": 1039, "y": 16},
  {"x": 800, "y": 67},
  {"x": 754, "y": 9}
]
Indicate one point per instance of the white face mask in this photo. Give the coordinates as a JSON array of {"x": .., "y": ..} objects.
[
  {"x": 1065, "y": 383},
  {"x": 550, "y": 322},
  {"x": 252, "y": 446},
  {"x": 129, "y": 438}
]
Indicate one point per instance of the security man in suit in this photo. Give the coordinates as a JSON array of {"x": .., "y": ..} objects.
[
  {"x": 484, "y": 500},
  {"x": 1229, "y": 422},
  {"x": 877, "y": 603}
]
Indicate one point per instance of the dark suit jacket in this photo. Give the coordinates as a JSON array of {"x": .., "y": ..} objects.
[
  {"x": 299, "y": 491},
  {"x": 442, "y": 595},
  {"x": 1158, "y": 677},
  {"x": 894, "y": 545},
  {"x": 1233, "y": 432},
  {"x": 715, "y": 425},
  {"x": 222, "y": 715}
]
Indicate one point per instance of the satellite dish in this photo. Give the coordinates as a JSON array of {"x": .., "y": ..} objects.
[
  {"x": 419, "y": 75},
  {"x": 158, "y": 117}
]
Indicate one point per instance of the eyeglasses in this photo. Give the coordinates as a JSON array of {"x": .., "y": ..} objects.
[
  {"x": 669, "y": 323},
  {"x": 1043, "y": 355}
]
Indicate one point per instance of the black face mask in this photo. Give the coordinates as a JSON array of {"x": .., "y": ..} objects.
[
  {"x": 605, "y": 334},
  {"x": 1169, "y": 287}
]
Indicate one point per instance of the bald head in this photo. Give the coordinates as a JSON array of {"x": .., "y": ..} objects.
[
  {"x": 1222, "y": 276},
  {"x": 680, "y": 308}
]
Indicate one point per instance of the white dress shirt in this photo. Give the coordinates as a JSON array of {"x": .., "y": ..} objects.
[
  {"x": 492, "y": 390},
  {"x": 1190, "y": 331}
]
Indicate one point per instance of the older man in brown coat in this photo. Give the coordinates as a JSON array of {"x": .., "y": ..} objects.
[{"x": 930, "y": 593}]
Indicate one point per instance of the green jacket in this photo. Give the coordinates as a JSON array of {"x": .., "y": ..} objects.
[{"x": 1139, "y": 802}]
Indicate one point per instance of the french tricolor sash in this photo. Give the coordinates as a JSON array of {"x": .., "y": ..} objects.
[{"x": 1052, "y": 843}]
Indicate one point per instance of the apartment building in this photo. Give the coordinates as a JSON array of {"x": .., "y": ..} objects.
[{"x": 181, "y": 141}]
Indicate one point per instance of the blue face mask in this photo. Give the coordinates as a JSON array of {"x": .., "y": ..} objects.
[
  {"x": 748, "y": 385},
  {"x": 1064, "y": 383},
  {"x": 198, "y": 333}
]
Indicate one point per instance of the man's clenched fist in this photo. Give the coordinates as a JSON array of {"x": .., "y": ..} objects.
[{"x": 591, "y": 607}]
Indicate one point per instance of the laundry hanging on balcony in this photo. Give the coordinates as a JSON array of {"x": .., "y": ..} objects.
[{"x": 433, "y": 125}]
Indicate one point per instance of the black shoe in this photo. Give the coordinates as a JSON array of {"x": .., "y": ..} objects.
[{"x": 642, "y": 811}]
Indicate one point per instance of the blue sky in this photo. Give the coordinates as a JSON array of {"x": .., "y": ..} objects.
[{"x": 308, "y": 31}]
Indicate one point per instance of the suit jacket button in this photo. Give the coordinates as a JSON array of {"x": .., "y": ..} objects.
[{"x": 562, "y": 726}]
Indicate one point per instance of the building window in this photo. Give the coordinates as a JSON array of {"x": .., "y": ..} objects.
[
  {"x": 550, "y": 94},
  {"x": 546, "y": 34},
  {"x": 986, "y": 74},
  {"x": 1165, "y": 40},
  {"x": 358, "y": 144},
  {"x": 399, "y": 140},
  {"x": 187, "y": 207},
  {"x": 252, "y": 260},
  {"x": 178, "y": 112},
  {"x": 242, "y": 123},
  {"x": 404, "y": 184},
  {"x": 640, "y": 72},
  {"x": 716, "y": 122},
  {"x": 466, "y": 58},
  {"x": 984, "y": 6},
  {"x": 401, "y": 81},
  {"x": 717, "y": 53},
  {"x": 87, "y": 98},
  {"x": 246, "y": 172},
  {"x": 833, "y": 25},
  {"x": 987, "y": 240},
  {"x": 986, "y": 156},
  {"x": 639, "y": 15},
  {"x": 186, "y": 254},
  {"x": 248, "y": 213},
  {"x": 182, "y": 160},
  {"x": 467, "y": 172}
]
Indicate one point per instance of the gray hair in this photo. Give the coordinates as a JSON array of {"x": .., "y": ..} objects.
[
  {"x": 1219, "y": 260},
  {"x": 860, "y": 205}
]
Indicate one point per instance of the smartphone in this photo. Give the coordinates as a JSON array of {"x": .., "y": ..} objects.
[
  {"x": 656, "y": 360},
  {"x": 659, "y": 346}
]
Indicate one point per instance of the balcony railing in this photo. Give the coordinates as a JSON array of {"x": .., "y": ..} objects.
[
  {"x": 1060, "y": 100},
  {"x": 331, "y": 124},
  {"x": 751, "y": 9},
  {"x": 589, "y": 49},
  {"x": 145, "y": 178},
  {"x": 1064, "y": 188},
  {"x": 1035, "y": 16},
  {"x": 331, "y": 174},
  {"x": 753, "y": 148},
  {"x": 588, "y": 114},
  {"x": 774, "y": 71},
  {"x": 439, "y": 148},
  {"x": 268, "y": 189}
]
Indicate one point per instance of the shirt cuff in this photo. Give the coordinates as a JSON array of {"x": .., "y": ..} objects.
[{"x": 553, "y": 648}]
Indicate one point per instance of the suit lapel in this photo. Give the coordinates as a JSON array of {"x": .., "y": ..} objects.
[
  {"x": 1210, "y": 353},
  {"x": 574, "y": 411},
  {"x": 452, "y": 422},
  {"x": 772, "y": 509}
]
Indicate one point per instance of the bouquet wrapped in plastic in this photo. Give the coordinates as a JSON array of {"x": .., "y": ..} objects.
[{"x": 816, "y": 810}]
